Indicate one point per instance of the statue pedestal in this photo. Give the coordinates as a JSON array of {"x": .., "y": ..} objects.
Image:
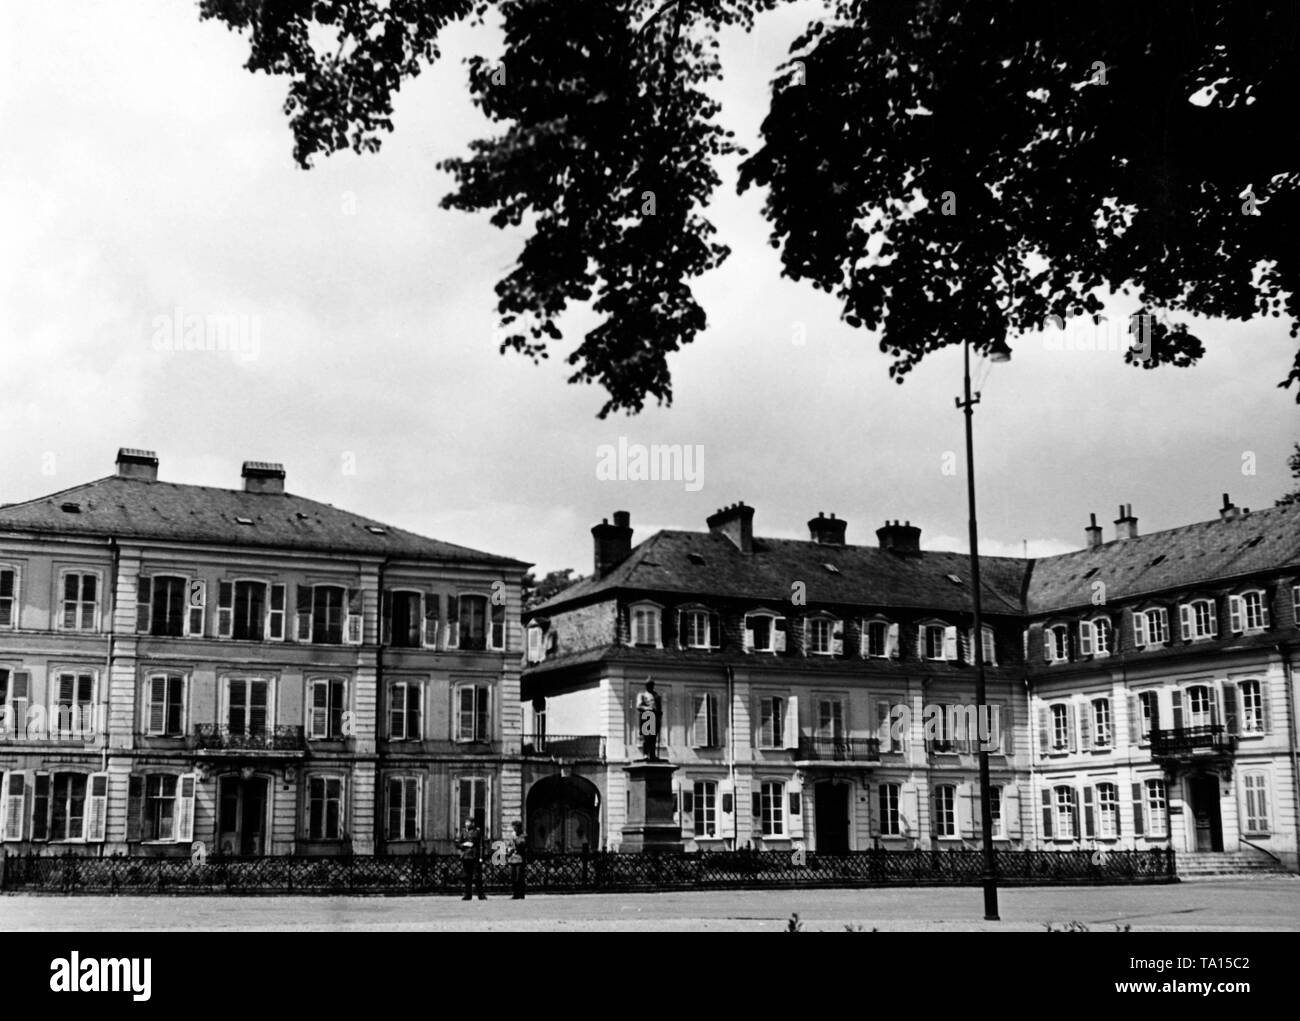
[{"x": 651, "y": 806}]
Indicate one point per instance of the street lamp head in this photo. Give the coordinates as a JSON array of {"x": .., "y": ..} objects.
[{"x": 998, "y": 351}]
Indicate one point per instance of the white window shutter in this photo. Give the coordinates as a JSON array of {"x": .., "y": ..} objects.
[
  {"x": 157, "y": 704},
  {"x": 804, "y": 632},
  {"x": 966, "y": 811},
  {"x": 97, "y": 808},
  {"x": 1049, "y": 652},
  {"x": 1214, "y": 619},
  {"x": 1011, "y": 811},
  {"x": 950, "y": 643},
  {"x": 891, "y": 642},
  {"x": 318, "y": 719},
  {"x": 1085, "y": 638},
  {"x": 534, "y": 645},
  {"x": 13, "y": 806},
  {"x": 197, "y": 603},
  {"x": 225, "y": 609},
  {"x": 1185, "y": 616},
  {"x": 794, "y": 823},
  {"x": 791, "y": 728},
  {"x": 429, "y": 635},
  {"x": 837, "y": 638},
  {"x": 863, "y": 644},
  {"x": 991, "y": 653},
  {"x": 1164, "y": 622},
  {"x": 749, "y": 635},
  {"x": 185, "y": 809},
  {"x": 352, "y": 631},
  {"x": 1263, "y": 610},
  {"x": 909, "y": 810},
  {"x": 779, "y": 626},
  {"x": 1236, "y": 614},
  {"x": 1139, "y": 629}
]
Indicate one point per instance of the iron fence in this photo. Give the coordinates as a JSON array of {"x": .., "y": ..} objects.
[{"x": 576, "y": 873}]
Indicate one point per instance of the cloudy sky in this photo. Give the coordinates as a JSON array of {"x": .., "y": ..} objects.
[{"x": 143, "y": 171}]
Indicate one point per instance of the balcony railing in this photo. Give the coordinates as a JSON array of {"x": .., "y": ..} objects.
[
  {"x": 1185, "y": 742},
  {"x": 840, "y": 749},
  {"x": 218, "y": 737},
  {"x": 590, "y": 747}
]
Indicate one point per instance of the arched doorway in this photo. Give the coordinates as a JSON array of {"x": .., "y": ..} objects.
[{"x": 563, "y": 814}]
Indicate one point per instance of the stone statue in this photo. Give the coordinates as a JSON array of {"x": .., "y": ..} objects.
[{"x": 649, "y": 714}]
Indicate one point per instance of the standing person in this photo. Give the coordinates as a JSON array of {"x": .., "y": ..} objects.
[
  {"x": 516, "y": 861},
  {"x": 471, "y": 859}
]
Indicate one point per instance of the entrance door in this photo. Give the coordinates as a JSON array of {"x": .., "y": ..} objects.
[
  {"x": 1204, "y": 791},
  {"x": 241, "y": 823},
  {"x": 832, "y": 808}
]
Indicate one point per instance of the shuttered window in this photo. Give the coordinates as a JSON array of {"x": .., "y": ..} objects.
[
  {"x": 471, "y": 718},
  {"x": 327, "y": 613},
  {"x": 327, "y": 705},
  {"x": 890, "y": 820},
  {"x": 166, "y": 706},
  {"x": 80, "y": 601},
  {"x": 1157, "y": 809},
  {"x": 404, "y": 700},
  {"x": 8, "y": 597},
  {"x": 324, "y": 808},
  {"x": 404, "y": 814},
  {"x": 72, "y": 710},
  {"x": 1252, "y": 707},
  {"x": 1256, "y": 790},
  {"x": 772, "y": 808}
]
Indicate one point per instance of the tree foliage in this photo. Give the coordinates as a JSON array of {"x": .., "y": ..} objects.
[
  {"x": 1292, "y": 462},
  {"x": 949, "y": 171}
]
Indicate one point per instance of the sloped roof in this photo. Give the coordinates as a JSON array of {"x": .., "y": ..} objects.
[
  {"x": 1262, "y": 541},
  {"x": 707, "y": 564},
  {"x": 138, "y": 509}
]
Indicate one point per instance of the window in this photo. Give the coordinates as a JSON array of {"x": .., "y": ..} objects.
[
  {"x": 1147, "y": 713},
  {"x": 404, "y": 701},
  {"x": 830, "y": 719},
  {"x": 243, "y": 612},
  {"x": 765, "y": 632},
  {"x": 1102, "y": 736},
  {"x": 891, "y": 824},
  {"x": 8, "y": 597},
  {"x": 247, "y": 706},
  {"x": 945, "y": 811},
  {"x": 403, "y": 808},
  {"x": 1252, "y": 708},
  {"x": 166, "y": 712},
  {"x": 772, "y": 808},
  {"x": 72, "y": 707},
  {"x": 704, "y": 729},
  {"x": 1199, "y": 620},
  {"x": 1248, "y": 612},
  {"x": 68, "y": 806},
  {"x": 473, "y": 623},
  {"x": 15, "y": 694},
  {"x": 1065, "y": 813},
  {"x": 995, "y": 812},
  {"x": 327, "y": 615},
  {"x": 706, "y": 808},
  {"x": 403, "y": 619},
  {"x": 1256, "y": 785},
  {"x": 80, "y": 601},
  {"x": 1107, "y": 810},
  {"x": 324, "y": 808},
  {"x": 472, "y": 794},
  {"x": 1060, "y": 727},
  {"x": 932, "y": 641},
  {"x": 1199, "y": 713},
  {"x": 1157, "y": 806},
  {"x": 645, "y": 626},
  {"x": 876, "y": 639},
  {"x": 988, "y": 646},
  {"x": 1056, "y": 644},
  {"x": 1096, "y": 637},
  {"x": 1151, "y": 627},
  {"x": 771, "y": 722},
  {"x": 939, "y": 729},
  {"x": 471, "y": 713},
  {"x": 161, "y": 606},
  {"x": 65, "y": 806},
  {"x": 696, "y": 632},
  {"x": 160, "y": 807},
  {"x": 327, "y": 704},
  {"x": 825, "y": 636}
]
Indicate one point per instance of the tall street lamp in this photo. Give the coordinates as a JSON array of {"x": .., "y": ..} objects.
[{"x": 998, "y": 352}]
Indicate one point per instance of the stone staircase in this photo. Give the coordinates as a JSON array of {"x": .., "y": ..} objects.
[{"x": 1224, "y": 864}]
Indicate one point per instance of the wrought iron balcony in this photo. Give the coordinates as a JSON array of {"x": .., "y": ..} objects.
[
  {"x": 840, "y": 749},
  {"x": 219, "y": 737},
  {"x": 1187, "y": 742},
  {"x": 588, "y": 747}
]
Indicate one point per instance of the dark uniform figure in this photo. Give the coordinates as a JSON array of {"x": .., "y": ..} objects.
[
  {"x": 515, "y": 860},
  {"x": 649, "y": 714},
  {"x": 471, "y": 859}
]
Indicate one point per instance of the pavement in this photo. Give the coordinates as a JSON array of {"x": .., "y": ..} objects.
[{"x": 1248, "y": 904}]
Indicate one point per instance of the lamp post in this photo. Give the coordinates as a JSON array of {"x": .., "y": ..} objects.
[{"x": 998, "y": 352}]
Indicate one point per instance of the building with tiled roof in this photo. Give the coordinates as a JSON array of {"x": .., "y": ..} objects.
[
  {"x": 1126, "y": 682},
  {"x": 188, "y": 669}
]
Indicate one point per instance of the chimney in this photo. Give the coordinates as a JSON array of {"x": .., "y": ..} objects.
[
  {"x": 612, "y": 543},
  {"x": 904, "y": 538},
  {"x": 1093, "y": 532},
  {"x": 736, "y": 523},
  {"x": 1126, "y": 525},
  {"x": 263, "y": 477},
  {"x": 827, "y": 531},
  {"x": 1228, "y": 512},
  {"x": 137, "y": 464}
]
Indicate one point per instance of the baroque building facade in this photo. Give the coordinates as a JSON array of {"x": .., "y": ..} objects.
[
  {"x": 821, "y": 695},
  {"x": 250, "y": 670}
]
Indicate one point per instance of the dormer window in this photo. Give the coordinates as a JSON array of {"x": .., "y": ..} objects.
[
  {"x": 823, "y": 636},
  {"x": 1248, "y": 612},
  {"x": 698, "y": 628},
  {"x": 1096, "y": 637},
  {"x": 879, "y": 639},
  {"x": 1199, "y": 620},
  {"x": 1056, "y": 644},
  {"x": 1151, "y": 627},
  {"x": 536, "y": 648},
  {"x": 937, "y": 642},
  {"x": 643, "y": 619},
  {"x": 764, "y": 632},
  {"x": 988, "y": 647}
]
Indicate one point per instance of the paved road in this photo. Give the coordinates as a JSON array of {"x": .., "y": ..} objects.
[{"x": 1245, "y": 904}]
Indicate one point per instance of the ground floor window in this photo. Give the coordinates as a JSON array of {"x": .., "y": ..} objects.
[
  {"x": 890, "y": 822},
  {"x": 325, "y": 808},
  {"x": 1157, "y": 809},
  {"x": 945, "y": 811},
  {"x": 1256, "y": 802},
  {"x": 403, "y": 808},
  {"x": 706, "y": 808},
  {"x": 772, "y": 808}
]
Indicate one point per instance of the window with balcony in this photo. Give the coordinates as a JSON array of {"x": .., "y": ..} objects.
[
  {"x": 327, "y": 709},
  {"x": 830, "y": 719},
  {"x": 471, "y": 718},
  {"x": 403, "y": 808},
  {"x": 80, "y": 601},
  {"x": 324, "y": 808},
  {"x": 945, "y": 810},
  {"x": 1199, "y": 620},
  {"x": 8, "y": 597},
  {"x": 165, "y": 712},
  {"x": 1200, "y": 712},
  {"x": 891, "y": 823},
  {"x": 1056, "y": 644},
  {"x": 1256, "y": 790},
  {"x": 706, "y": 808},
  {"x": 404, "y": 703},
  {"x": 772, "y": 808},
  {"x": 1252, "y": 707},
  {"x": 248, "y": 706},
  {"x": 704, "y": 726},
  {"x": 645, "y": 629},
  {"x": 1107, "y": 810}
]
